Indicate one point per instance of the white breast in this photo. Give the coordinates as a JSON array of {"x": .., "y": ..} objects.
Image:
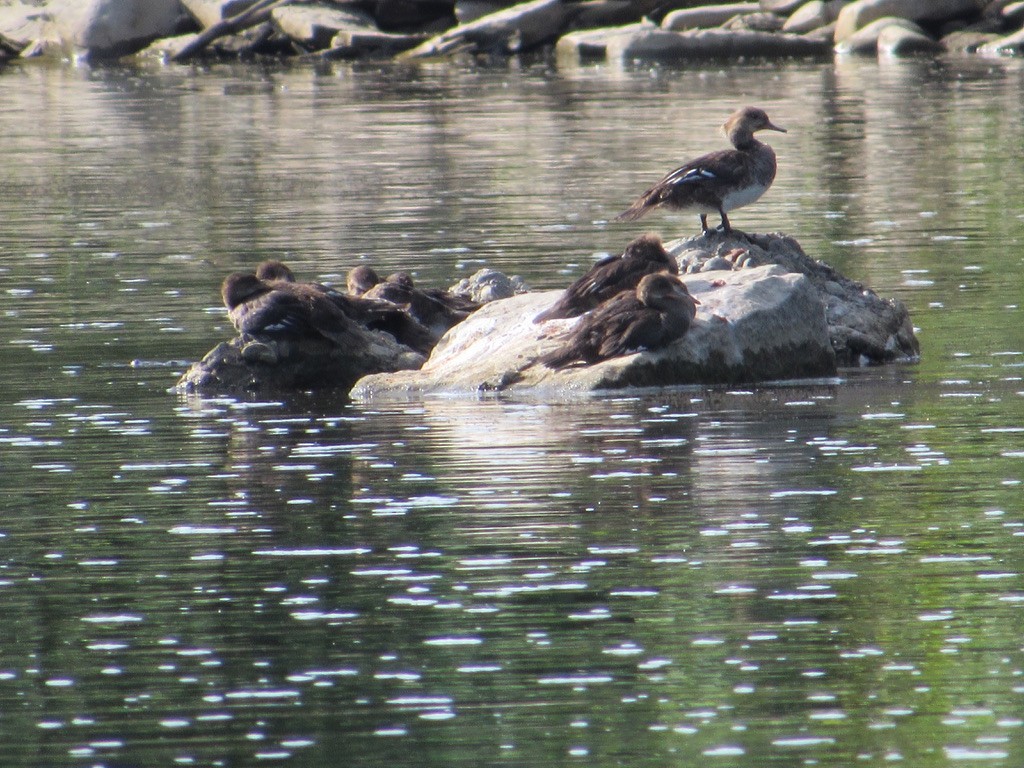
[{"x": 741, "y": 197}]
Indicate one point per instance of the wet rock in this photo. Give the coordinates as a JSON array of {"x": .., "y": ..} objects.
[
  {"x": 706, "y": 17},
  {"x": 22, "y": 25},
  {"x": 752, "y": 325},
  {"x": 897, "y": 41},
  {"x": 860, "y": 13},
  {"x": 1004, "y": 45},
  {"x": 865, "y": 40},
  {"x": 209, "y": 12},
  {"x": 314, "y": 26},
  {"x": 781, "y": 7},
  {"x": 515, "y": 29},
  {"x": 863, "y": 328},
  {"x": 112, "y": 28},
  {"x": 813, "y": 15},
  {"x": 755, "y": 22},
  {"x": 967, "y": 41},
  {"x": 487, "y": 285},
  {"x": 269, "y": 365},
  {"x": 645, "y": 44},
  {"x": 350, "y": 44}
]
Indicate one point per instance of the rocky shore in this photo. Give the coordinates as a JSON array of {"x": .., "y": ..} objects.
[
  {"x": 767, "y": 312},
  {"x": 615, "y": 30}
]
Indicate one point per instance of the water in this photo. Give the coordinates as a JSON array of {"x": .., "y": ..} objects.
[{"x": 795, "y": 575}]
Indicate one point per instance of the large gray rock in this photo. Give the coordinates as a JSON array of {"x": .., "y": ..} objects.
[
  {"x": 863, "y": 328},
  {"x": 644, "y": 43},
  {"x": 314, "y": 26},
  {"x": 752, "y": 325},
  {"x": 519, "y": 28},
  {"x": 113, "y": 28},
  {"x": 22, "y": 25},
  {"x": 862, "y": 12},
  {"x": 895, "y": 41},
  {"x": 209, "y": 12},
  {"x": 865, "y": 40},
  {"x": 813, "y": 15},
  {"x": 706, "y": 17}
]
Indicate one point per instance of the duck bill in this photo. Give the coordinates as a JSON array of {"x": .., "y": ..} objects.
[{"x": 773, "y": 127}]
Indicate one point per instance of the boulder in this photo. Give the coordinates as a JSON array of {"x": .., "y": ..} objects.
[
  {"x": 967, "y": 41},
  {"x": 515, "y": 29},
  {"x": 314, "y": 26},
  {"x": 897, "y": 41},
  {"x": 250, "y": 365},
  {"x": 645, "y": 44},
  {"x": 706, "y": 17},
  {"x": 22, "y": 25},
  {"x": 101, "y": 29},
  {"x": 351, "y": 44},
  {"x": 1004, "y": 45},
  {"x": 487, "y": 285},
  {"x": 813, "y": 15},
  {"x": 752, "y": 325},
  {"x": 863, "y": 328},
  {"x": 781, "y": 7},
  {"x": 209, "y": 12},
  {"x": 860, "y": 13},
  {"x": 865, "y": 40}
]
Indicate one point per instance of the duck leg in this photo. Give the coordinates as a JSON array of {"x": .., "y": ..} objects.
[
  {"x": 726, "y": 227},
  {"x": 704, "y": 224}
]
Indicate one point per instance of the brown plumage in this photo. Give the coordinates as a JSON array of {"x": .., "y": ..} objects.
[
  {"x": 611, "y": 275},
  {"x": 720, "y": 181},
  {"x": 373, "y": 314},
  {"x": 361, "y": 279},
  {"x": 659, "y": 311},
  {"x": 436, "y": 309}
]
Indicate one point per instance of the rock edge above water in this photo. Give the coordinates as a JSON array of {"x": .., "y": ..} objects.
[{"x": 768, "y": 312}]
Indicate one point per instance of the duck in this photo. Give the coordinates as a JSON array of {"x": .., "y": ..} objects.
[
  {"x": 259, "y": 308},
  {"x": 361, "y": 279},
  {"x": 611, "y": 275},
  {"x": 653, "y": 315},
  {"x": 719, "y": 181},
  {"x": 375, "y": 315},
  {"x": 435, "y": 309}
]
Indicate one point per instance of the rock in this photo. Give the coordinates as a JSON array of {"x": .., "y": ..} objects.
[
  {"x": 1013, "y": 14},
  {"x": 967, "y": 41},
  {"x": 781, "y": 7},
  {"x": 813, "y": 15},
  {"x": 314, "y": 26},
  {"x": 209, "y": 12},
  {"x": 350, "y": 44},
  {"x": 755, "y": 22},
  {"x": 860, "y": 13},
  {"x": 865, "y": 40},
  {"x": 22, "y": 25},
  {"x": 706, "y": 17},
  {"x": 515, "y": 29},
  {"x": 246, "y": 364},
  {"x": 660, "y": 45},
  {"x": 610, "y": 13},
  {"x": 101, "y": 29},
  {"x": 862, "y": 327},
  {"x": 1005, "y": 45},
  {"x": 753, "y": 325},
  {"x": 897, "y": 41},
  {"x": 593, "y": 44},
  {"x": 487, "y": 285}
]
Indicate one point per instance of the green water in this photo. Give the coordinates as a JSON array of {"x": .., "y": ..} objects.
[{"x": 818, "y": 574}]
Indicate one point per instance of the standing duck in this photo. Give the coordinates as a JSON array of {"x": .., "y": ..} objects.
[
  {"x": 717, "y": 182},
  {"x": 611, "y": 275},
  {"x": 659, "y": 311}
]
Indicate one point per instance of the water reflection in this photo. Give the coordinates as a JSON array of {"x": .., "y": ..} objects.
[{"x": 821, "y": 573}]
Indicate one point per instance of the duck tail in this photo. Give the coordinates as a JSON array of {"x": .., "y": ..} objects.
[{"x": 638, "y": 209}]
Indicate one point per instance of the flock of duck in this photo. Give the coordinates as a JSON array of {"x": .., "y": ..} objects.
[{"x": 629, "y": 302}]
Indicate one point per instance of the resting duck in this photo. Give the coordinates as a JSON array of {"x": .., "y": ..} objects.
[
  {"x": 436, "y": 309},
  {"x": 259, "y": 308},
  {"x": 361, "y": 279},
  {"x": 659, "y": 311},
  {"x": 611, "y": 275},
  {"x": 372, "y": 314},
  {"x": 720, "y": 181}
]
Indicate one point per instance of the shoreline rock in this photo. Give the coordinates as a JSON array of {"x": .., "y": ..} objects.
[{"x": 619, "y": 30}]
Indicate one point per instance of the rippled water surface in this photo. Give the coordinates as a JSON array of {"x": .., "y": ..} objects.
[{"x": 808, "y": 574}]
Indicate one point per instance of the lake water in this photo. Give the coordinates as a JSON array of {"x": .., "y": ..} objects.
[{"x": 819, "y": 574}]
